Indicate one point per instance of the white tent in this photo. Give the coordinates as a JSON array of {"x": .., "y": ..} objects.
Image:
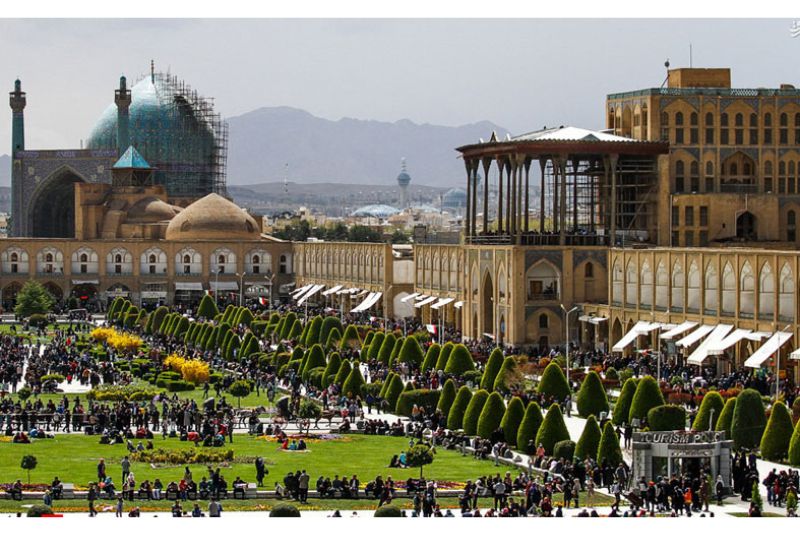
[
  {"x": 426, "y": 301},
  {"x": 442, "y": 302},
  {"x": 719, "y": 347},
  {"x": 631, "y": 336},
  {"x": 408, "y": 298},
  {"x": 695, "y": 336},
  {"x": 312, "y": 291},
  {"x": 679, "y": 329},
  {"x": 767, "y": 349},
  {"x": 333, "y": 290},
  {"x": 699, "y": 355}
]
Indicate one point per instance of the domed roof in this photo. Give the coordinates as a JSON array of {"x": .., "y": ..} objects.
[
  {"x": 375, "y": 210},
  {"x": 213, "y": 217},
  {"x": 454, "y": 197},
  {"x": 151, "y": 210}
]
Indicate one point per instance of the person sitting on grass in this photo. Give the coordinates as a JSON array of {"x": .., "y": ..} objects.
[
  {"x": 177, "y": 510},
  {"x": 57, "y": 488},
  {"x": 280, "y": 491}
]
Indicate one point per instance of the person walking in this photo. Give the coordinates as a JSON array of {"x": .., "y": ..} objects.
[{"x": 126, "y": 468}]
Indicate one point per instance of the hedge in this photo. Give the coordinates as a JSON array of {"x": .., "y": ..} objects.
[
  {"x": 589, "y": 440},
  {"x": 331, "y": 368},
  {"x": 515, "y": 412},
  {"x": 623, "y": 406},
  {"x": 529, "y": 427},
  {"x": 387, "y": 346},
  {"x": 460, "y": 361},
  {"x": 423, "y": 398},
  {"x": 387, "y": 511},
  {"x": 207, "y": 308},
  {"x": 473, "y": 412},
  {"x": 749, "y": 420},
  {"x": 350, "y": 338},
  {"x": 354, "y": 384},
  {"x": 507, "y": 376},
  {"x": 333, "y": 339},
  {"x": 552, "y": 429},
  {"x": 455, "y": 418},
  {"x": 592, "y": 398},
  {"x": 411, "y": 353},
  {"x": 386, "y": 382},
  {"x": 315, "y": 359},
  {"x": 794, "y": 446},
  {"x": 312, "y": 336},
  {"x": 375, "y": 346},
  {"x": 393, "y": 391},
  {"x": 444, "y": 355},
  {"x": 608, "y": 450},
  {"x": 343, "y": 373},
  {"x": 564, "y": 449},
  {"x": 398, "y": 345},
  {"x": 778, "y": 434},
  {"x": 666, "y": 418},
  {"x": 288, "y": 325},
  {"x": 448, "y": 397},
  {"x": 491, "y": 415},
  {"x": 490, "y": 371},
  {"x": 553, "y": 383},
  {"x": 647, "y": 396},
  {"x": 284, "y": 510},
  {"x": 703, "y": 421}
]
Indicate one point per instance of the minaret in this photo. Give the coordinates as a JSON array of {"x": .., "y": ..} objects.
[
  {"x": 122, "y": 98},
  {"x": 17, "y": 101},
  {"x": 403, "y": 179}
]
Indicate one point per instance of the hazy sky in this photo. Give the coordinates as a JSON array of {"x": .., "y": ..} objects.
[{"x": 521, "y": 74}]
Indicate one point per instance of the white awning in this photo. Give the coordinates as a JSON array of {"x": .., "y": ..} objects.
[
  {"x": 695, "y": 336},
  {"x": 86, "y": 281},
  {"x": 362, "y": 292},
  {"x": 364, "y": 304},
  {"x": 630, "y": 336},
  {"x": 795, "y": 355},
  {"x": 347, "y": 291},
  {"x": 192, "y": 286},
  {"x": 442, "y": 302},
  {"x": 701, "y": 353},
  {"x": 585, "y": 317},
  {"x": 426, "y": 301},
  {"x": 224, "y": 285},
  {"x": 369, "y": 303},
  {"x": 408, "y": 298},
  {"x": 312, "y": 291},
  {"x": 297, "y": 291},
  {"x": 420, "y": 297},
  {"x": 597, "y": 320},
  {"x": 458, "y": 304},
  {"x": 333, "y": 290},
  {"x": 680, "y": 329},
  {"x": 767, "y": 349},
  {"x": 719, "y": 347}
]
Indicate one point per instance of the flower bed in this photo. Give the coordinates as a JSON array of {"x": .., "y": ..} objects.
[{"x": 186, "y": 456}]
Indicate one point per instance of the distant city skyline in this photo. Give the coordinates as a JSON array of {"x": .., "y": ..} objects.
[{"x": 521, "y": 74}]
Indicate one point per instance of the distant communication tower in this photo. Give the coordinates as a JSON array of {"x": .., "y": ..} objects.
[{"x": 403, "y": 180}]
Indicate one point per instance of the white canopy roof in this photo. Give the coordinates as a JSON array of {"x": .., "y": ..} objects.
[
  {"x": 408, "y": 298},
  {"x": 297, "y": 291},
  {"x": 347, "y": 291},
  {"x": 426, "y": 301},
  {"x": 631, "y": 336},
  {"x": 312, "y": 291},
  {"x": 442, "y": 302},
  {"x": 695, "y": 336},
  {"x": 458, "y": 304},
  {"x": 359, "y": 307},
  {"x": 194, "y": 286},
  {"x": 719, "y": 347},
  {"x": 701, "y": 353},
  {"x": 767, "y": 349},
  {"x": 597, "y": 320},
  {"x": 224, "y": 285},
  {"x": 680, "y": 329},
  {"x": 333, "y": 290},
  {"x": 795, "y": 354},
  {"x": 367, "y": 303}
]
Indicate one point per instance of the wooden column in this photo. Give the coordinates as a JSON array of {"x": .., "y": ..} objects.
[
  {"x": 555, "y": 189},
  {"x": 613, "y": 162},
  {"x": 487, "y": 165},
  {"x": 574, "y": 194},
  {"x": 527, "y": 206},
  {"x": 467, "y": 227},
  {"x": 500, "y": 196},
  {"x": 508, "y": 197},
  {"x": 474, "y": 217},
  {"x": 542, "y": 166},
  {"x": 562, "y": 171},
  {"x": 513, "y": 191}
]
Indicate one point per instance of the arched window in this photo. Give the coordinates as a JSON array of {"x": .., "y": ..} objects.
[
  {"x": 153, "y": 261},
  {"x": 791, "y": 226},
  {"x": 712, "y": 289},
  {"x": 753, "y": 129},
  {"x": 588, "y": 270},
  {"x": 783, "y": 131},
  {"x": 723, "y": 129},
  {"x": 768, "y": 183},
  {"x": 709, "y": 177},
  {"x": 285, "y": 263},
  {"x": 766, "y": 293},
  {"x": 728, "y": 290},
  {"x": 694, "y": 176},
  {"x": 85, "y": 260},
  {"x": 747, "y": 289},
  {"x": 786, "y": 302},
  {"x": 680, "y": 176},
  {"x": 767, "y": 128},
  {"x": 709, "y": 128},
  {"x": 543, "y": 321},
  {"x": 679, "y": 140}
]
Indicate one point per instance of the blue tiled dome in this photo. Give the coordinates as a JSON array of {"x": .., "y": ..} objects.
[{"x": 381, "y": 211}]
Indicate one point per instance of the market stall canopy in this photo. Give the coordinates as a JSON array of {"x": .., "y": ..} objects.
[
  {"x": 767, "y": 349},
  {"x": 426, "y": 301},
  {"x": 408, "y": 298},
  {"x": 190, "y": 286},
  {"x": 224, "y": 285},
  {"x": 296, "y": 292},
  {"x": 442, "y": 302},
  {"x": 333, "y": 290},
  {"x": 719, "y": 346},
  {"x": 701, "y": 353},
  {"x": 458, "y": 304},
  {"x": 695, "y": 336},
  {"x": 316, "y": 288},
  {"x": 680, "y": 329},
  {"x": 631, "y": 336}
]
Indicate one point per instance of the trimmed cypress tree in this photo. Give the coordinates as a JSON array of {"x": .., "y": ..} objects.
[
  {"x": 703, "y": 421},
  {"x": 515, "y": 412},
  {"x": 666, "y": 418},
  {"x": 590, "y": 440},
  {"x": 447, "y": 397},
  {"x": 778, "y": 434},
  {"x": 350, "y": 338},
  {"x": 623, "y": 406},
  {"x": 314, "y": 359},
  {"x": 553, "y": 383},
  {"x": 592, "y": 398},
  {"x": 393, "y": 391},
  {"x": 112, "y": 309},
  {"x": 749, "y": 420},
  {"x": 245, "y": 317},
  {"x": 398, "y": 345},
  {"x": 303, "y": 333},
  {"x": 385, "y": 352},
  {"x": 312, "y": 336},
  {"x": 368, "y": 338},
  {"x": 385, "y": 385},
  {"x": 207, "y": 308},
  {"x": 492, "y": 368},
  {"x": 609, "y": 449},
  {"x": 397, "y": 406},
  {"x": 794, "y": 446},
  {"x": 343, "y": 373},
  {"x": 249, "y": 347},
  {"x": 411, "y": 353},
  {"x": 333, "y": 339},
  {"x": 296, "y": 330},
  {"x": 375, "y": 345},
  {"x": 217, "y": 341},
  {"x": 491, "y": 415},
  {"x": 227, "y": 316},
  {"x": 233, "y": 345},
  {"x": 287, "y": 326},
  {"x": 354, "y": 384},
  {"x": 455, "y": 418},
  {"x": 431, "y": 357},
  {"x": 552, "y": 429},
  {"x": 473, "y": 412},
  {"x": 507, "y": 377},
  {"x": 328, "y": 324},
  {"x": 332, "y": 368},
  {"x": 726, "y": 418},
  {"x": 460, "y": 361},
  {"x": 529, "y": 427},
  {"x": 444, "y": 355},
  {"x": 647, "y": 396}
]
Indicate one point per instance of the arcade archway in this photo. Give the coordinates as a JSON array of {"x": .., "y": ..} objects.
[
  {"x": 53, "y": 208},
  {"x": 487, "y": 293},
  {"x": 10, "y": 295}
]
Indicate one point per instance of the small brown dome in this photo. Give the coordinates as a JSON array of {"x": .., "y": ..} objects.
[
  {"x": 210, "y": 218},
  {"x": 151, "y": 210}
]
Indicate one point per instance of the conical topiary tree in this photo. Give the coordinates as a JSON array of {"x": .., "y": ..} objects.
[
  {"x": 398, "y": 406},
  {"x": 592, "y": 398},
  {"x": 526, "y": 434},
  {"x": 248, "y": 347},
  {"x": 623, "y": 406},
  {"x": 334, "y": 338},
  {"x": 393, "y": 391},
  {"x": 794, "y": 446},
  {"x": 328, "y": 324},
  {"x": 778, "y": 434},
  {"x": 726, "y": 418},
  {"x": 507, "y": 377},
  {"x": 647, "y": 396},
  {"x": 609, "y": 450},
  {"x": 455, "y": 419},
  {"x": 343, "y": 373},
  {"x": 314, "y": 359},
  {"x": 491, "y": 415},
  {"x": 207, "y": 308},
  {"x": 332, "y": 368},
  {"x": 375, "y": 346},
  {"x": 385, "y": 385},
  {"x": 232, "y": 349},
  {"x": 312, "y": 336},
  {"x": 368, "y": 339},
  {"x": 666, "y": 418},
  {"x": 411, "y": 353},
  {"x": 296, "y": 331},
  {"x": 386, "y": 349},
  {"x": 712, "y": 404},
  {"x": 350, "y": 338},
  {"x": 552, "y": 429},
  {"x": 398, "y": 345},
  {"x": 515, "y": 412},
  {"x": 474, "y": 412},
  {"x": 749, "y": 420},
  {"x": 354, "y": 384},
  {"x": 444, "y": 355},
  {"x": 460, "y": 361},
  {"x": 287, "y": 326},
  {"x": 493, "y": 365},
  {"x": 590, "y": 440},
  {"x": 447, "y": 397},
  {"x": 431, "y": 356},
  {"x": 553, "y": 383}
]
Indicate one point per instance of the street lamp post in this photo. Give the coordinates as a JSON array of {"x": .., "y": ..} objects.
[
  {"x": 566, "y": 338},
  {"x": 241, "y": 284},
  {"x": 216, "y": 286},
  {"x": 778, "y": 368},
  {"x": 270, "y": 276}
]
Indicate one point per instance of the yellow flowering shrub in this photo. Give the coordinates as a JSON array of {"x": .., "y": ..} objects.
[
  {"x": 193, "y": 371},
  {"x": 101, "y": 334},
  {"x": 120, "y": 341}
]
